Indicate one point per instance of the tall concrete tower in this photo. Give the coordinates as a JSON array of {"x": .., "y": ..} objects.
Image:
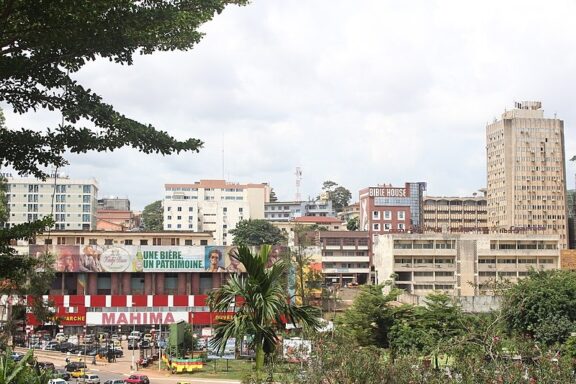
[{"x": 526, "y": 172}]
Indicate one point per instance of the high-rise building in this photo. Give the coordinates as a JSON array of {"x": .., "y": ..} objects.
[
  {"x": 526, "y": 188},
  {"x": 72, "y": 202},
  {"x": 213, "y": 206}
]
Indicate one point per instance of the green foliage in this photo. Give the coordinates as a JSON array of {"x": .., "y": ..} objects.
[
  {"x": 339, "y": 195},
  {"x": 153, "y": 216},
  {"x": 261, "y": 304},
  {"x": 41, "y": 46},
  {"x": 257, "y": 232},
  {"x": 22, "y": 372},
  {"x": 353, "y": 224},
  {"x": 427, "y": 329},
  {"x": 543, "y": 305},
  {"x": 371, "y": 316}
]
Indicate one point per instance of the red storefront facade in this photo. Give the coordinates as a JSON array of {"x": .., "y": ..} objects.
[{"x": 73, "y": 313}]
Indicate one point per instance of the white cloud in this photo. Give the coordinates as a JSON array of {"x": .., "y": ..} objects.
[{"x": 362, "y": 93}]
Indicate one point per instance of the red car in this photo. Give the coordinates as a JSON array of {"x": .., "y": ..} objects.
[{"x": 137, "y": 379}]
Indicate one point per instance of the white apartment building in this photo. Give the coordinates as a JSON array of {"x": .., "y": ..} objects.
[
  {"x": 213, "y": 205},
  {"x": 72, "y": 202},
  {"x": 463, "y": 264},
  {"x": 526, "y": 188}
]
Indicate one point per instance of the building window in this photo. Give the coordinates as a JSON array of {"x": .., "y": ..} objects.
[
  {"x": 402, "y": 227},
  {"x": 387, "y": 215},
  {"x": 104, "y": 284},
  {"x": 87, "y": 189},
  {"x": 376, "y": 215},
  {"x": 179, "y": 209},
  {"x": 143, "y": 242},
  {"x": 387, "y": 226},
  {"x": 203, "y": 242},
  {"x": 108, "y": 242},
  {"x": 188, "y": 242},
  {"x": 128, "y": 242},
  {"x": 79, "y": 240},
  {"x": 156, "y": 241},
  {"x": 85, "y": 218},
  {"x": 240, "y": 210},
  {"x": 169, "y": 226},
  {"x": 170, "y": 283},
  {"x": 401, "y": 215},
  {"x": 376, "y": 227},
  {"x": 137, "y": 283},
  {"x": 47, "y": 241}
]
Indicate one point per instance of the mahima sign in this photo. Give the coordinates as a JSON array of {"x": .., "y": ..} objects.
[{"x": 135, "y": 318}]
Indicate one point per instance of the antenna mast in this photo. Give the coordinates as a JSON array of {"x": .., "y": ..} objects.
[{"x": 298, "y": 180}]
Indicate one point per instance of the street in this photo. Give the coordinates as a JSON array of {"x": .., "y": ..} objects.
[{"x": 120, "y": 369}]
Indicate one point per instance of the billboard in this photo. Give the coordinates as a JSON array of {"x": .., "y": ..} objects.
[
  {"x": 144, "y": 258},
  {"x": 135, "y": 318}
]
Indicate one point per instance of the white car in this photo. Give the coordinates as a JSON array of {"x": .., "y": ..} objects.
[
  {"x": 91, "y": 378},
  {"x": 135, "y": 335},
  {"x": 60, "y": 337},
  {"x": 57, "y": 381}
]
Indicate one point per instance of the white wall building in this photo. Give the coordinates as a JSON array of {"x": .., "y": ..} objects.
[
  {"x": 72, "y": 202},
  {"x": 461, "y": 264},
  {"x": 213, "y": 205}
]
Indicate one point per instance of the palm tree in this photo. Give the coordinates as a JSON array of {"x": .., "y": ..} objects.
[{"x": 261, "y": 304}]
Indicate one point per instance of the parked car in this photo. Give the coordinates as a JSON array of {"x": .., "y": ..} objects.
[
  {"x": 60, "y": 337},
  {"x": 66, "y": 346},
  {"x": 17, "y": 356},
  {"x": 46, "y": 365},
  {"x": 91, "y": 378},
  {"x": 61, "y": 374},
  {"x": 144, "y": 344},
  {"x": 132, "y": 344},
  {"x": 113, "y": 351},
  {"x": 137, "y": 379},
  {"x": 52, "y": 346},
  {"x": 135, "y": 335},
  {"x": 73, "y": 339},
  {"x": 89, "y": 338}
]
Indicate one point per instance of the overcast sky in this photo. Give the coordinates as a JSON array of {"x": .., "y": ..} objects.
[{"x": 358, "y": 92}]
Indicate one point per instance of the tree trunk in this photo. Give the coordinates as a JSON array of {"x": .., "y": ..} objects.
[{"x": 259, "y": 358}]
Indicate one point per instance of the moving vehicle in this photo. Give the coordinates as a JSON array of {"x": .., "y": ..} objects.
[
  {"x": 137, "y": 379},
  {"x": 61, "y": 374},
  {"x": 57, "y": 381},
  {"x": 114, "y": 381},
  {"x": 78, "y": 373},
  {"x": 91, "y": 378},
  {"x": 75, "y": 365}
]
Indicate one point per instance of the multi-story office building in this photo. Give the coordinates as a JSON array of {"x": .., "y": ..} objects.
[
  {"x": 213, "y": 206},
  {"x": 114, "y": 203},
  {"x": 345, "y": 256},
  {"x": 461, "y": 264},
  {"x": 72, "y": 202},
  {"x": 289, "y": 210},
  {"x": 455, "y": 214},
  {"x": 350, "y": 212},
  {"x": 526, "y": 188}
]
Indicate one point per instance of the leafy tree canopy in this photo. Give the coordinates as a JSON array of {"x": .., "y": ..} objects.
[
  {"x": 257, "y": 232},
  {"x": 153, "y": 216},
  {"x": 543, "y": 305},
  {"x": 41, "y": 45},
  {"x": 339, "y": 195},
  {"x": 353, "y": 224}
]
